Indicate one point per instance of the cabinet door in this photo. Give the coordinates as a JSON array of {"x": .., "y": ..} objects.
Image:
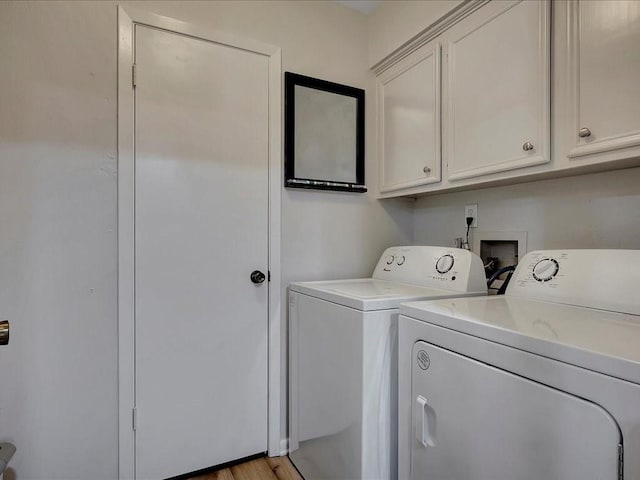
[
  {"x": 497, "y": 89},
  {"x": 604, "y": 76},
  {"x": 472, "y": 421},
  {"x": 409, "y": 121}
]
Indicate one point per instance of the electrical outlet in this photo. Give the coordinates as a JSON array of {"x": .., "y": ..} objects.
[{"x": 471, "y": 211}]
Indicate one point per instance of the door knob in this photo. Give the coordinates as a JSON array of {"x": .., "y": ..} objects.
[
  {"x": 257, "y": 276},
  {"x": 527, "y": 147},
  {"x": 4, "y": 332},
  {"x": 6, "y": 452}
]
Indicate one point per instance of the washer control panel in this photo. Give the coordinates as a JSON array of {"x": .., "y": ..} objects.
[
  {"x": 606, "y": 279},
  {"x": 438, "y": 267},
  {"x": 542, "y": 270}
]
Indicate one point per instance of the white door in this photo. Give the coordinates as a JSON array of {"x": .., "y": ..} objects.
[
  {"x": 409, "y": 120},
  {"x": 604, "y": 72},
  {"x": 472, "y": 421},
  {"x": 497, "y": 101},
  {"x": 201, "y": 199}
]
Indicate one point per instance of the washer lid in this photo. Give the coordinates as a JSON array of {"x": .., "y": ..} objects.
[
  {"x": 369, "y": 294},
  {"x": 597, "y": 340}
]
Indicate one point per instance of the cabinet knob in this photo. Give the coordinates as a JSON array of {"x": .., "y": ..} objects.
[
  {"x": 4, "y": 332},
  {"x": 584, "y": 132},
  {"x": 426, "y": 170},
  {"x": 527, "y": 146}
]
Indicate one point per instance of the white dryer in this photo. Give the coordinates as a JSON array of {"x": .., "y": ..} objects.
[
  {"x": 343, "y": 359},
  {"x": 541, "y": 383}
]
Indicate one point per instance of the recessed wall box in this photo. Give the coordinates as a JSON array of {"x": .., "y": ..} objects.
[{"x": 499, "y": 249}]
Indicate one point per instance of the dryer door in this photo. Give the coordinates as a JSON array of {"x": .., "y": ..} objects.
[{"x": 472, "y": 421}]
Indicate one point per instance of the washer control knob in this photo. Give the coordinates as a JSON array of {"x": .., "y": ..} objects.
[
  {"x": 390, "y": 259},
  {"x": 545, "y": 269},
  {"x": 400, "y": 260},
  {"x": 444, "y": 263}
]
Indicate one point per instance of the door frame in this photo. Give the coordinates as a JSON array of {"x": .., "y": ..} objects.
[{"x": 127, "y": 19}]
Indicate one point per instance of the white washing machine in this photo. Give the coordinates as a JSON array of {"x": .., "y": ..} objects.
[
  {"x": 343, "y": 359},
  {"x": 542, "y": 383}
]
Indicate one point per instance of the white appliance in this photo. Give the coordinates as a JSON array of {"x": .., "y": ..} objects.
[
  {"x": 541, "y": 383},
  {"x": 343, "y": 359}
]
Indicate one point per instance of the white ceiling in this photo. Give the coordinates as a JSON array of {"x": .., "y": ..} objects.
[{"x": 364, "y": 6}]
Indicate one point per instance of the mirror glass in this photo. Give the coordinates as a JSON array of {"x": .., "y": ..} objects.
[{"x": 324, "y": 135}]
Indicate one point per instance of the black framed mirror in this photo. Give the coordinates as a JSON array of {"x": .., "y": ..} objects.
[{"x": 324, "y": 135}]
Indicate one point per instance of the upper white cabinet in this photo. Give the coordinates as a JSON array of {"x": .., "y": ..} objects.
[
  {"x": 409, "y": 120},
  {"x": 505, "y": 83},
  {"x": 496, "y": 89},
  {"x": 603, "y": 79}
]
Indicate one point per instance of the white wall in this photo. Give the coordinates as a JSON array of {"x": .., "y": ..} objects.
[
  {"x": 57, "y": 239},
  {"x": 58, "y": 377},
  {"x": 395, "y": 22},
  {"x": 600, "y": 210}
]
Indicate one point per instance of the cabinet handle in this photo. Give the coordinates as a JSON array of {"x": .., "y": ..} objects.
[
  {"x": 426, "y": 170},
  {"x": 584, "y": 132},
  {"x": 527, "y": 146}
]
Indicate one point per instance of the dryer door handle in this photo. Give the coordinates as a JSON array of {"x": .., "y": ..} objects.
[{"x": 426, "y": 427}]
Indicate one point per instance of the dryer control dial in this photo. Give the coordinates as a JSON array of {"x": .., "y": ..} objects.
[
  {"x": 390, "y": 259},
  {"x": 444, "y": 263},
  {"x": 545, "y": 269},
  {"x": 400, "y": 260}
]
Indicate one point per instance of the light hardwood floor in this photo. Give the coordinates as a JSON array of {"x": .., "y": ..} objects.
[{"x": 277, "y": 468}]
